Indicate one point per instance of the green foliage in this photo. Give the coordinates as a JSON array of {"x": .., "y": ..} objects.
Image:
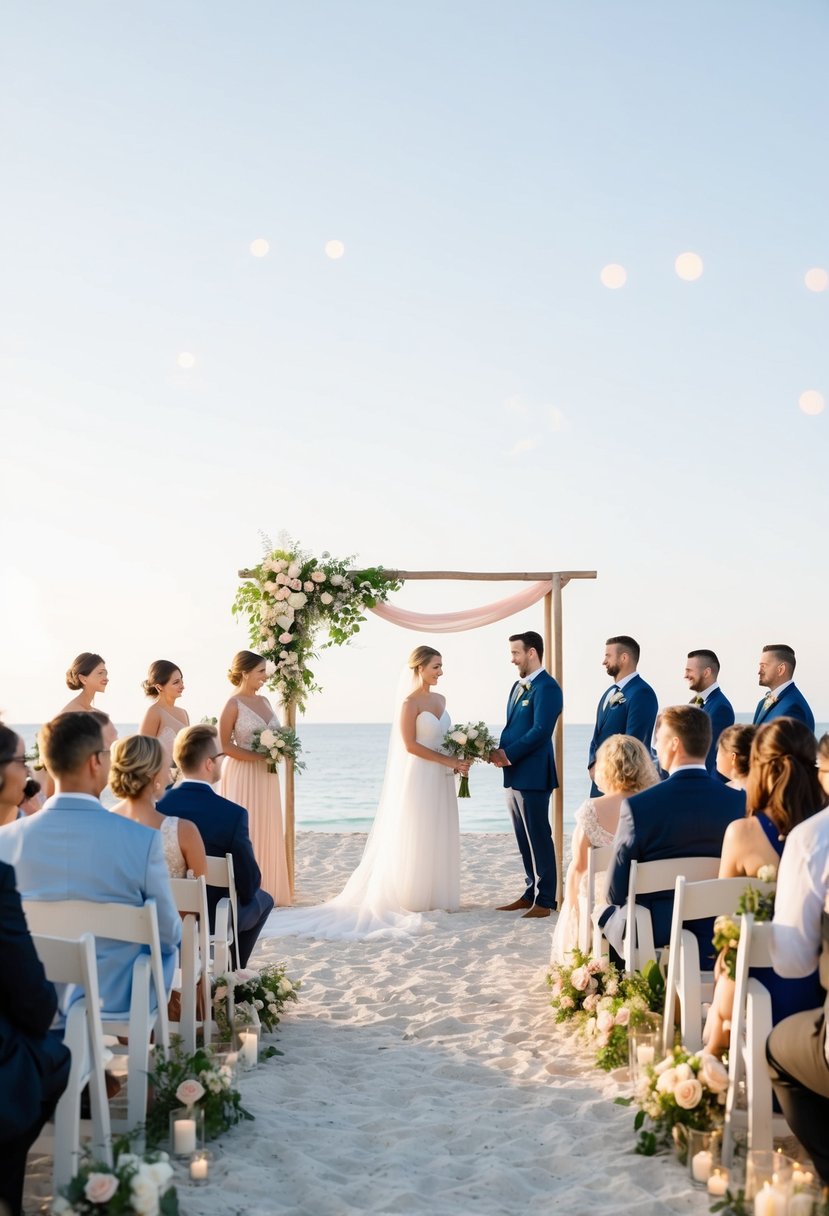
[
  {"x": 734, "y": 1203},
  {"x": 266, "y": 991},
  {"x": 221, "y": 1103},
  {"x": 136, "y": 1186},
  {"x": 727, "y": 928}
]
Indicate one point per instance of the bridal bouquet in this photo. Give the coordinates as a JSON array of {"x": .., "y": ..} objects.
[
  {"x": 276, "y": 743},
  {"x": 472, "y": 741}
]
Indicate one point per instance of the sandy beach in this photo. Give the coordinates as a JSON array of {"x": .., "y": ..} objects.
[{"x": 427, "y": 1076}]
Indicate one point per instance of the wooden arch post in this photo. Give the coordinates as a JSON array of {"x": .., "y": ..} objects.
[{"x": 553, "y": 662}]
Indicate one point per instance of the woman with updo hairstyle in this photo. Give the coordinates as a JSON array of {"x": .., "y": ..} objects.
[
  {"x": 16, "y": 781},
  {"x": 245, "y": 779},
  {"x": 782, "y": 791},
  {"x": 734, "y": 753},
  {"x": 86, "y": 676},
  {"x": 164, "y": 719},
  {"x": 623, "y": 767},
  {"x": 138, "y": 773}
]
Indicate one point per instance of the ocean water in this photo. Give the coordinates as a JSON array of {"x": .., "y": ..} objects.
[{"x": 339, "y": 790}]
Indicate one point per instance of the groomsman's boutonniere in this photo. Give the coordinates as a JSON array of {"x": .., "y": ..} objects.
[
  {"x": 618, "y": 698},
  {"x": 770, "y": 700}
]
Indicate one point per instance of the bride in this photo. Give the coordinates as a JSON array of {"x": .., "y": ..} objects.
[{"x": 411, "y": 862}]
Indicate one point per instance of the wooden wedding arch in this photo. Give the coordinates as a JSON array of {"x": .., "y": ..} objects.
[{"x": 553, "y": 662}]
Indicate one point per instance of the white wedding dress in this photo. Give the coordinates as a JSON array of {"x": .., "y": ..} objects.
[{"x": 411, "y": 862}]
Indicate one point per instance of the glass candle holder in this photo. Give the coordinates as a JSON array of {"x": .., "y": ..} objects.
[
  {"x": 249, "y": 1047},
  {"x": 803, "y": 1200},
  {"x": 186, "y": 1130},
  {"x": 644, "y": 1048},
  {"x": 200, "y": 1167},
  {"x": 703, "y": 1155},
  {"x": 770, "y": 1175},
  {"x": 227, "y": 1059}
]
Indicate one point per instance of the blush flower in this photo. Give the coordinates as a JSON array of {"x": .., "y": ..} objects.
[
  {"x": 100, "y": 1187},
  {"x": 688, "y": 1094},
  {"x": 190, "y": 1092}
]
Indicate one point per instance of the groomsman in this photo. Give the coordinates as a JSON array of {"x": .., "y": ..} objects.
[
  {"x": 702, "y": 669},
  {"x": 783, "y": 699},
  {"x": 628, "y": 707}
]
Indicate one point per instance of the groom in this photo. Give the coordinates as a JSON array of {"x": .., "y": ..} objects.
[{"x": 525, "y": 753}]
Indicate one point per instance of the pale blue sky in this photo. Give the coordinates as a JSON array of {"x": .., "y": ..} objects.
[{"x": 459, "y": 389}]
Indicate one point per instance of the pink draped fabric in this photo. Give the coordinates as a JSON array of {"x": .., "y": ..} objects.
[{"x": 458, "y": 622}]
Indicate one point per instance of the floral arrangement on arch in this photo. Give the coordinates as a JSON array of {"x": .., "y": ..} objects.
[
  {"x": 135, "y": 1186},
  {"x": 193, "y": 1081},
  {"x": 261, "y": 994},
  {"x": 290, "y": 595},
  {"x": 605, "y": 1003}
]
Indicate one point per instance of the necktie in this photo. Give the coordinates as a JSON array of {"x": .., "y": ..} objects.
[
  {"x": 519, "y": 692},
  {"x": 698, "y": 701}
]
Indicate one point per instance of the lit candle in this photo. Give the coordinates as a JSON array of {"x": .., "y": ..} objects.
[
  {"x": 718, "y": 1183},
  {"x": 644, "y": 1055},
  {"x": 198, "y": 1169},
  {"x": 249, "y": 1049},
  {"x": 184, "y": 1137},
  {"x": 801, "y": 1177},
  {"x": 701, "y": 1166},
  {"x": 769, "y": 1202}
]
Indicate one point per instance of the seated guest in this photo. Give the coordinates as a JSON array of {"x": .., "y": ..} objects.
[
  {"x": 623, "y": 767},
  {"x": 138, "y": 774},
  {"x": 823, "y": 763},
  {"x": 798, "y": 1048},
  {"x": 702, "y": 671},
  {"x": 733, "y": 753},
  {"x": 34, "y": 1064},
  {"x": 783, "y": 699},
  {"x": 16, "y": 781},
  {"x": 223, "y": 826},
  {"x": 75, "y": 849},
  {"x": 684, "y": 816},
  {"x": 783, "y": 790}
]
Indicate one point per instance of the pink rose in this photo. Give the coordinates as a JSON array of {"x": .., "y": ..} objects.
[
  {"x": 318, "y": 576},
  {"x": 281, "y": 579},
  {"x": 580, "y": 979},
  {"x": 100, "y": 1187},
  {"x": 688, "y": 1094},
  {"x": 594, "y": 966},
  {"x": 326, "y": 598},
  {"x": 713, "y": 1074},
  {"x": 285, "y": 638},
  {"x": 296, "y": 584},
  {"x": 605, "y": 1021},
  {"x": 190, "y": 1092},
  {"x": 623, "y": 1016},
  {"x": 309, "y": 587}
]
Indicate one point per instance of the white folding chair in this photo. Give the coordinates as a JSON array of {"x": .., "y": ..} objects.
[
  {"x": 686, "y": 978},
  {"x": 68, "y": 961},
  {"x": 653, "y": 878},
  {"x": 750, "y": 1028},
  {"x": 190, "y": 895},
  {"x": 141, "y": 1023},
  {"x": 598, "y": 860},
  {"x": 225, "y": 937}
]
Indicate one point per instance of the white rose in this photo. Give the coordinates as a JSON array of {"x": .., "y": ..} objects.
[
  {"x": 713, "y": 1074},
  {"x": 684, "y": 1072},
  {"x": 144, "y": 1195},
  {"x": 267, "y": 738},
  {"x": 337, "y": 580},
  {"x": 61, "y": 1205},
  {"x": 667, "y": 1081},
  {"x": 458, "y": 736},
  {"x": 285, "y": 621},
  {"x": 161, "y": 1172},
  {"x": 688, "y": 1094},
  {"x": 326, "y": 598},
  {"x": 767, "y": 873},
  {"x": 473, "y": 734},
  {"x": 664, "y": 1065},
  {"x": 293, "y": 570},
  {"x": 297, "y": 599},
  {"x": 270, "y": 667}
]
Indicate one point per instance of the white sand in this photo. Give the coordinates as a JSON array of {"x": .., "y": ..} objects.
[{"x": 428, "y": 1076}]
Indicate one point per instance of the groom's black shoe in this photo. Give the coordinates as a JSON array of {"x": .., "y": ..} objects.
[
  {"x": 536, "y": 910},
  {"x": 516, "y": 906}
]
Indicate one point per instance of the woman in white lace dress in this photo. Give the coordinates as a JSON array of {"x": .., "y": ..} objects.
[
  {"x": 623, "y": 768},
  {"x": 138, "y": 773}
]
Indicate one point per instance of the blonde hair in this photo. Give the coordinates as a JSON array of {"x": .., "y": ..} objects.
[
  {"x": 624, "y": 766},
  {"x": 134, "y": 761},
  {"x": 243, "y": 662},
  {"x": 421, "y": 655}
]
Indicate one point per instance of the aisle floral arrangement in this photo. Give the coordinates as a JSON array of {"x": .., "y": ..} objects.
[
  {"x": 685, "y": 1089},
  {"x": 196, "y": 1081},
  {"x": 727, "y": 928},
  {"x": 470, "y": 741},
  {"x": 604, "y": 1003},
  {"x": 290, "y": 595},
  {"x": 135, "y": 1186},
  {"x": 252, "y": 996}
]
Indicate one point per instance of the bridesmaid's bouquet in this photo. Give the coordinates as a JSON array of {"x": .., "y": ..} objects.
[
  {"x": 277, "y": 742},
  {"x": 471, "y": 741}
]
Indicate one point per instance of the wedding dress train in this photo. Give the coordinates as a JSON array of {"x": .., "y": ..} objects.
[{"x": 411, "y": 862}]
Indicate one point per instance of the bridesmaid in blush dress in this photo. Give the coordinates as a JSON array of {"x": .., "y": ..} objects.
[
  {"x": 164, "y": 719},
  {"x": 245, "y": 778}
]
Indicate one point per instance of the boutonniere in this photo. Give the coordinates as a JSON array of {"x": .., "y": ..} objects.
[
  {"x": 770, "y": 700},
  {"x": 618, "y": 698}
]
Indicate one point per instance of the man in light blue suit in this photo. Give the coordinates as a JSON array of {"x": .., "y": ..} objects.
[
  {"x": 525, "y": 753},
  {"x": 702, "y": 670},
  {"x": 74, "y": 848},
  {"x": 783, "y": 699},
  {"x": 628, "y": 707}
]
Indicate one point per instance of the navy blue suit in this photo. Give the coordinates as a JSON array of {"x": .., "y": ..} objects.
[
  {"x": 35, "y": 1063},
  {"x": 635, "y": 716},
  {"x": 719, "y": 710},
  {"x": 790, "y": 704},
  {"x": 224, "y": 829},
  {"x": 530, "y": 778},
  {"x": 684, "y": 816}
]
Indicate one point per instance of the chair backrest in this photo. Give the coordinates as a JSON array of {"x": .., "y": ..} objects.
[
  {"x": 598, "y": 861},
  {"x": 190, "y": 895},
  {"x": 712, "y": 897},
  {"x": 71, "y": 961},
  {"x": 652, "y": 878},
  {"x": 220, "y": 874},
  {"x": 118, "y": 922}
]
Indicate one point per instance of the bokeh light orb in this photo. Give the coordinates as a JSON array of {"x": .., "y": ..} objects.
[
  {"x": 688, "y": 266},
  {"x": 812, "y": 402},
  {"x": 816, "y": 279},
  {"x": 186, "y": 359},
  {"x": 613, "y": 276},
  {"x": 334, "y": 249},
  {"x": 260, "y": 248}
]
